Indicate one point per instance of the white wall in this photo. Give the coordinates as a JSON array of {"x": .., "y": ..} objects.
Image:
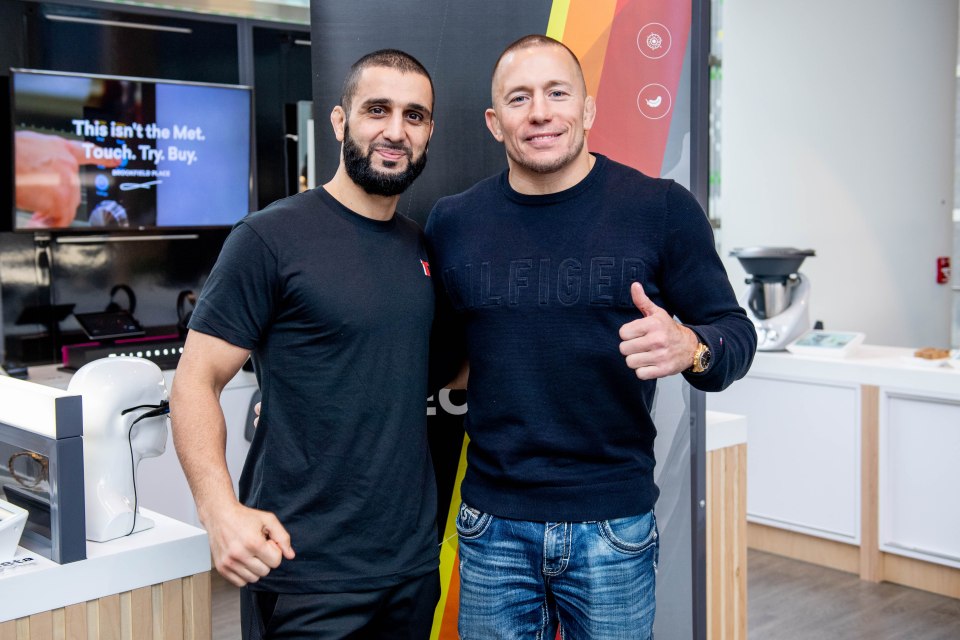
[{"x": 838, "y": 135}]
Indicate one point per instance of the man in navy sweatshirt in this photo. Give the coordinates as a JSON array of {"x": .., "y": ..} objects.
[{"x": 565, "y": 273}]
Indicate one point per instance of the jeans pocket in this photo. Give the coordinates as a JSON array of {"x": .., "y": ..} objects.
[
  {"x": 471, "y": 523},
  {"x": 633, "y": 535}
]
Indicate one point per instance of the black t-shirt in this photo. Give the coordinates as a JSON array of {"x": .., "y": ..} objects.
[{"x": 336, "y": 309}]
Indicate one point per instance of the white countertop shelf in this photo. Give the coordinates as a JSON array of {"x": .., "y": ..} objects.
[
  {"x": 891, "y": 367},
  {"x": 725, "y": 430}
]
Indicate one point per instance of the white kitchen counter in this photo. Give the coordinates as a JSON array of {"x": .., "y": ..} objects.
[
  {"x": 857, "y": 451},
  {"x": 891, "y": 367},
  {"x": 170, "y": 550},
  {"x": 725, "y": 430}
]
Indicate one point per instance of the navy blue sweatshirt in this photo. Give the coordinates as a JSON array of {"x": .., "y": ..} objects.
[{"x": 559, "y": 426}]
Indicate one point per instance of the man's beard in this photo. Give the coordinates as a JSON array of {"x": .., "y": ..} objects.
[
  {"x": 549, "y": 166},
  {"x": 360, "y": 167}
]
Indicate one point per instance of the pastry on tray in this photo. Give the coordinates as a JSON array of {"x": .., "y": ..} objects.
[{"x": 932, "y": 353}]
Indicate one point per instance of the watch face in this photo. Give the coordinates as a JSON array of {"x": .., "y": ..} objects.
[{"x": 702, "y": 358}]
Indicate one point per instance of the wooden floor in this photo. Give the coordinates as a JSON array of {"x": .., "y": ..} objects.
[
  {"x": 788, "y": 600},
  {"x": 792, "y": 600}
]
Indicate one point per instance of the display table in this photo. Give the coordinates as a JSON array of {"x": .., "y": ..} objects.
[
  {"x": 726, "y": 526},
  {"x": 155, "y": 583},
  {"x": 850, "y": 460}
]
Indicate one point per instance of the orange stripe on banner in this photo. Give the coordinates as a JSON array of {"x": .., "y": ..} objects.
[
  {"x": 445, "y": 616},
  {"x": 587, "y": 32},
  {"x": 448, "y": 626}
]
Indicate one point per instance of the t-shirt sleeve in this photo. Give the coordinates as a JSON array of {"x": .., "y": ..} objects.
[
  {"x": 697, "y": 290},
  {"x": 238, "y": 299}
]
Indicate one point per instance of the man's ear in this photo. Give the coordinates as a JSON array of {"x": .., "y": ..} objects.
[
  {"x": 493, "y": 124},
  {"x": 589, "y": 112},
  {"x": 338, "y": 118}
]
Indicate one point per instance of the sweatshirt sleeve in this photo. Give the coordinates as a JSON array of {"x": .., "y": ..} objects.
[{"x": 696, "y": 289}]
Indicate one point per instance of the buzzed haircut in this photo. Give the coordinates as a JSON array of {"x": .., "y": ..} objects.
[
  {"x": 389, "y": 58},
  {"x": 536, "y": 40}
]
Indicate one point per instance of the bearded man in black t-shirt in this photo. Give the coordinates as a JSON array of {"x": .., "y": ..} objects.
[{"x": 329, "y": 291}]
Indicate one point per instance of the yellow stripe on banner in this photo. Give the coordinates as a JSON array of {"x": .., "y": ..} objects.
[
  {"x": 448, "y": 548},
  {"x": 558, "y": 19}
]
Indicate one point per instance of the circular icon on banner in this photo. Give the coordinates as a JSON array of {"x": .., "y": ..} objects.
[
  {"x": 654, "y": 101},
  {"x": 654, "y": 40}
]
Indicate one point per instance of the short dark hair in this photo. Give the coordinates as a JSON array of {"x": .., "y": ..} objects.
[
  {"x": 390, "y": 58},
  {"x": 536, "y": 40}
]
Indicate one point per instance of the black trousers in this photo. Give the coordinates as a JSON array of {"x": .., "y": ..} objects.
[{"x": 402, "y": 612}]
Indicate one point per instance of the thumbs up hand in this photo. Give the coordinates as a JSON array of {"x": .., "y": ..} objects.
[{"x": 655, "y": 346}]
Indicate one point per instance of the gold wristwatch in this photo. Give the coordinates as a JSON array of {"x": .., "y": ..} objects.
[{"x": 701, "y": 359}]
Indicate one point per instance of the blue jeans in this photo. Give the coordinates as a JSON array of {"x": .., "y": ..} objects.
[{"x": 592, "y": 580}]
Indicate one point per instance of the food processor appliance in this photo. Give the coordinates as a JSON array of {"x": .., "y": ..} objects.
[{"x": 778, "y": 295}]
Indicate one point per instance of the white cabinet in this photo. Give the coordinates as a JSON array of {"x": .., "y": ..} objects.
[
  {"x": 803, "y": 469},
  {"x": 920, "y": 476},
  {"x": 862, "y": 450},
  {"x": 161, "y": 485}
]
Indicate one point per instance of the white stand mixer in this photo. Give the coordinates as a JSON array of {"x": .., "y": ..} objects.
[{"x": 777, "y": 300}]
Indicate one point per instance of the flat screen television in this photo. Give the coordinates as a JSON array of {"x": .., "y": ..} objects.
[{"x": 111, "y": 153}]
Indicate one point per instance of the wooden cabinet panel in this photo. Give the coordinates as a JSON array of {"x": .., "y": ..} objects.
[
  {"x": 727, "y": 543},
  {"x": 176, "y": 609}
]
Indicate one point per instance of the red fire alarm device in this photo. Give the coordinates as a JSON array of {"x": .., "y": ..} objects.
[{"x": 943, "y": 269}]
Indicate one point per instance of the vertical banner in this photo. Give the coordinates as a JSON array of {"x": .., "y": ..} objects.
[{"x": 636, "y": 59}]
